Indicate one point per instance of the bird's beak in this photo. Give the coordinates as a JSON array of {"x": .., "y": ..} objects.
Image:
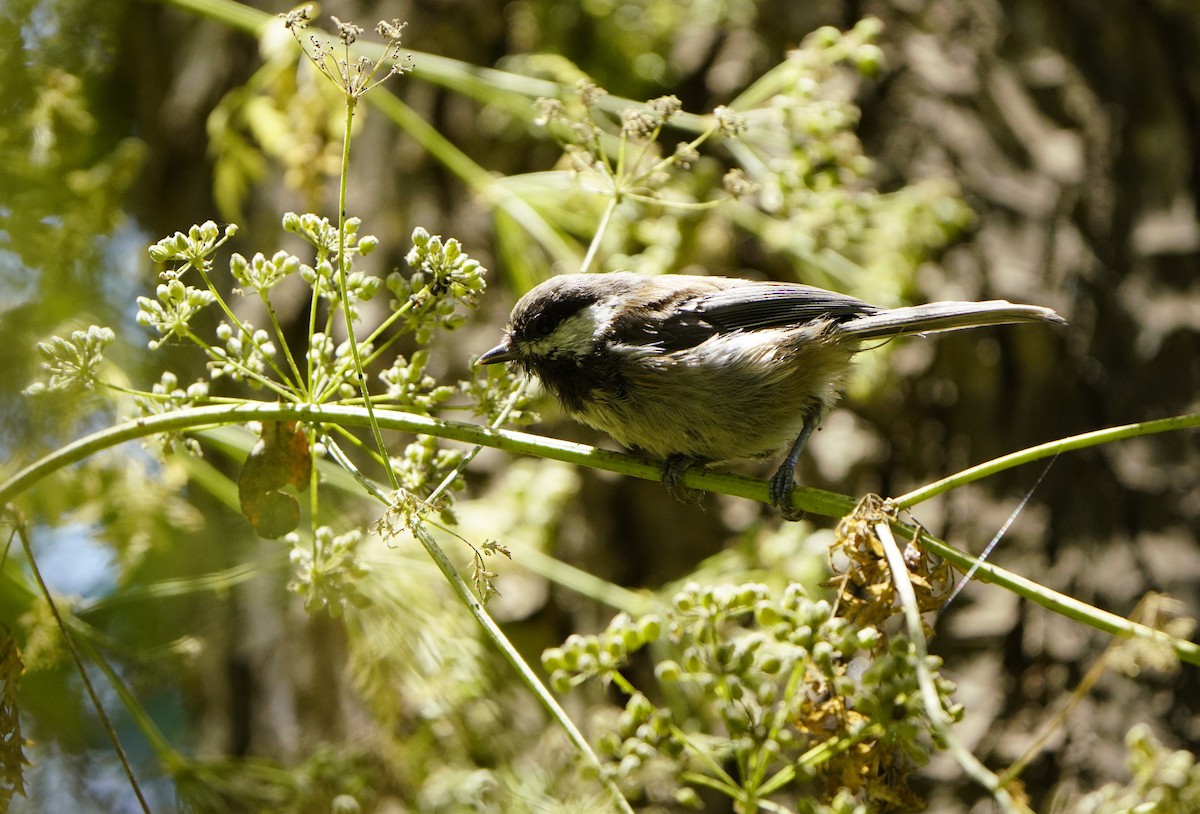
[{"x": 501, "y": 353}]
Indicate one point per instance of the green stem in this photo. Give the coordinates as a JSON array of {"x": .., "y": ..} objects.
[
  {"x": 506, "y": 648},
  {"x": 939, "y": 720},
  {"x": 601, "y": 228},
  {"x": 815, "y": 501},
  {"x": 730, "y": 790},
  {"x": 622, "y": 683},
  {"x": 301, "y": 382},
  {"x": 778, "y": 721},
  {"x": 400, "y": 311},
  {"x": 634, "y": 178},
  {"x": 720, "y": 779},
  {"x": 1052, "y": 600},
  {"x": 238, "y": 325},
  {"x": 489, "y": 86},
  {"x": 670, "y": 159},
  {"x": 583, "y": 582},
  {"x": 822, "y": 753},
  {"x": 162, "y": 748},
  {"x": 312, "y": 362},
  {"x": 513, "y": 657},
  {"x": 619, "y": 171},
  {"x": 382, "y": 348},
  {"x": 360, "y": 375},
  {"x": 479, "y": 180},
  {"x": 1087, "y": 439},
  {"x": 500, "y": 420},
  {"x": 682, "y": 206},
  {"x": 78, "y": 659},
  {"x": 333, "y": 378},
  {"x": 247, "y": 373}
]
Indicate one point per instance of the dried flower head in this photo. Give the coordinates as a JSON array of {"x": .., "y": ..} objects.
[
  {"x": 589, "y": 92},
  {"x": 731, "y": 123},
  {"x": 548, "y": 110},
  {"x": 297, "y": 19},
  {"x": 686, "y": 155},
  {"x": 347, "y": 32},
  {"x": 390, "y": 30},
  {"x": 738, "y": 185},
  {"x": 666, "y": 106},
  {"x": 354, "y": 76},
  {"x": 638, "y": 123}
]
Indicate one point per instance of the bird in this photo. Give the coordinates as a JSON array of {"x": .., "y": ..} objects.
[{"x": 697, "y": 369}]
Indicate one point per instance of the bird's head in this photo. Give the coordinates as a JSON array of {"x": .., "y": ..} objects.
[{"x": 562, "y": 321}]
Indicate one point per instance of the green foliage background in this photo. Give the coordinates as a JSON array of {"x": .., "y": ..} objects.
[{"x": 1042, "y": 152}]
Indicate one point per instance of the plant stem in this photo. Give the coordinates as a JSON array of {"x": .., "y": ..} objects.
[
  {"x": 360, "y": 375},
  {"x": 281, "y": 337},
  {"x": 506, "y": 648},
  {"x": 815, "y": 501},
  {"x": 75, "y": 655},
  {"x": 530, "y": 679},
  {"x": 1087, "y": 439},
  {"x": 939, "y": 720},
  {"x": 248, "y": 374},
  {"x": 601, "y": 228},
  {"x": 237, "y": 323},
  {"x": 490, "y": 86},
  {"x": 479, "y": 180}
]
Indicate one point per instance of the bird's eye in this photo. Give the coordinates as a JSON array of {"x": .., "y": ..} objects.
[{"x": 544, "y": 325}]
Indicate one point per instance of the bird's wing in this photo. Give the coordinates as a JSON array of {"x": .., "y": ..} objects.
[
  {"x": 687, "y": 321},
  {"x": 774, "y": 305}
]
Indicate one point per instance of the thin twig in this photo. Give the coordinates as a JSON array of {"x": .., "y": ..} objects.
[
  {"x": 601, "y": 228},
  {"x": 359, "y": 374},
  {"x": 109, "y": 729},
  {"x": 811, "y": 500},
  {"x": 501, "y": 642},
  {"x": 939, "y": 720},
  {"x": 1087, "y": 439}
]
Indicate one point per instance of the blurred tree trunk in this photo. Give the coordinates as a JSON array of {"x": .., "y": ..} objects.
[{"x": 1074, "y": 129}]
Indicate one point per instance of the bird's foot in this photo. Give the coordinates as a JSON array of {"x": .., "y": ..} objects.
[
  {"x": 672, "y": 477},
  {"x": 780, "y": 491}
]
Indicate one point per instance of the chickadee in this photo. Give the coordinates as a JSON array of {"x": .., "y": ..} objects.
[{"x": 695, "y": 369}]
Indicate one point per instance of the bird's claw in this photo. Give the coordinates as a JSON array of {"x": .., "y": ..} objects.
[
  {"x": 673, "y": 470},
  {"x": 780, "y": 492}
]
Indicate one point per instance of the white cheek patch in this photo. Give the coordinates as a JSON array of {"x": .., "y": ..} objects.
[{"x": 577, "y": 334}]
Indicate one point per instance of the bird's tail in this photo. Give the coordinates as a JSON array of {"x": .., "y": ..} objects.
[{"x": 944, "y": 316}]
